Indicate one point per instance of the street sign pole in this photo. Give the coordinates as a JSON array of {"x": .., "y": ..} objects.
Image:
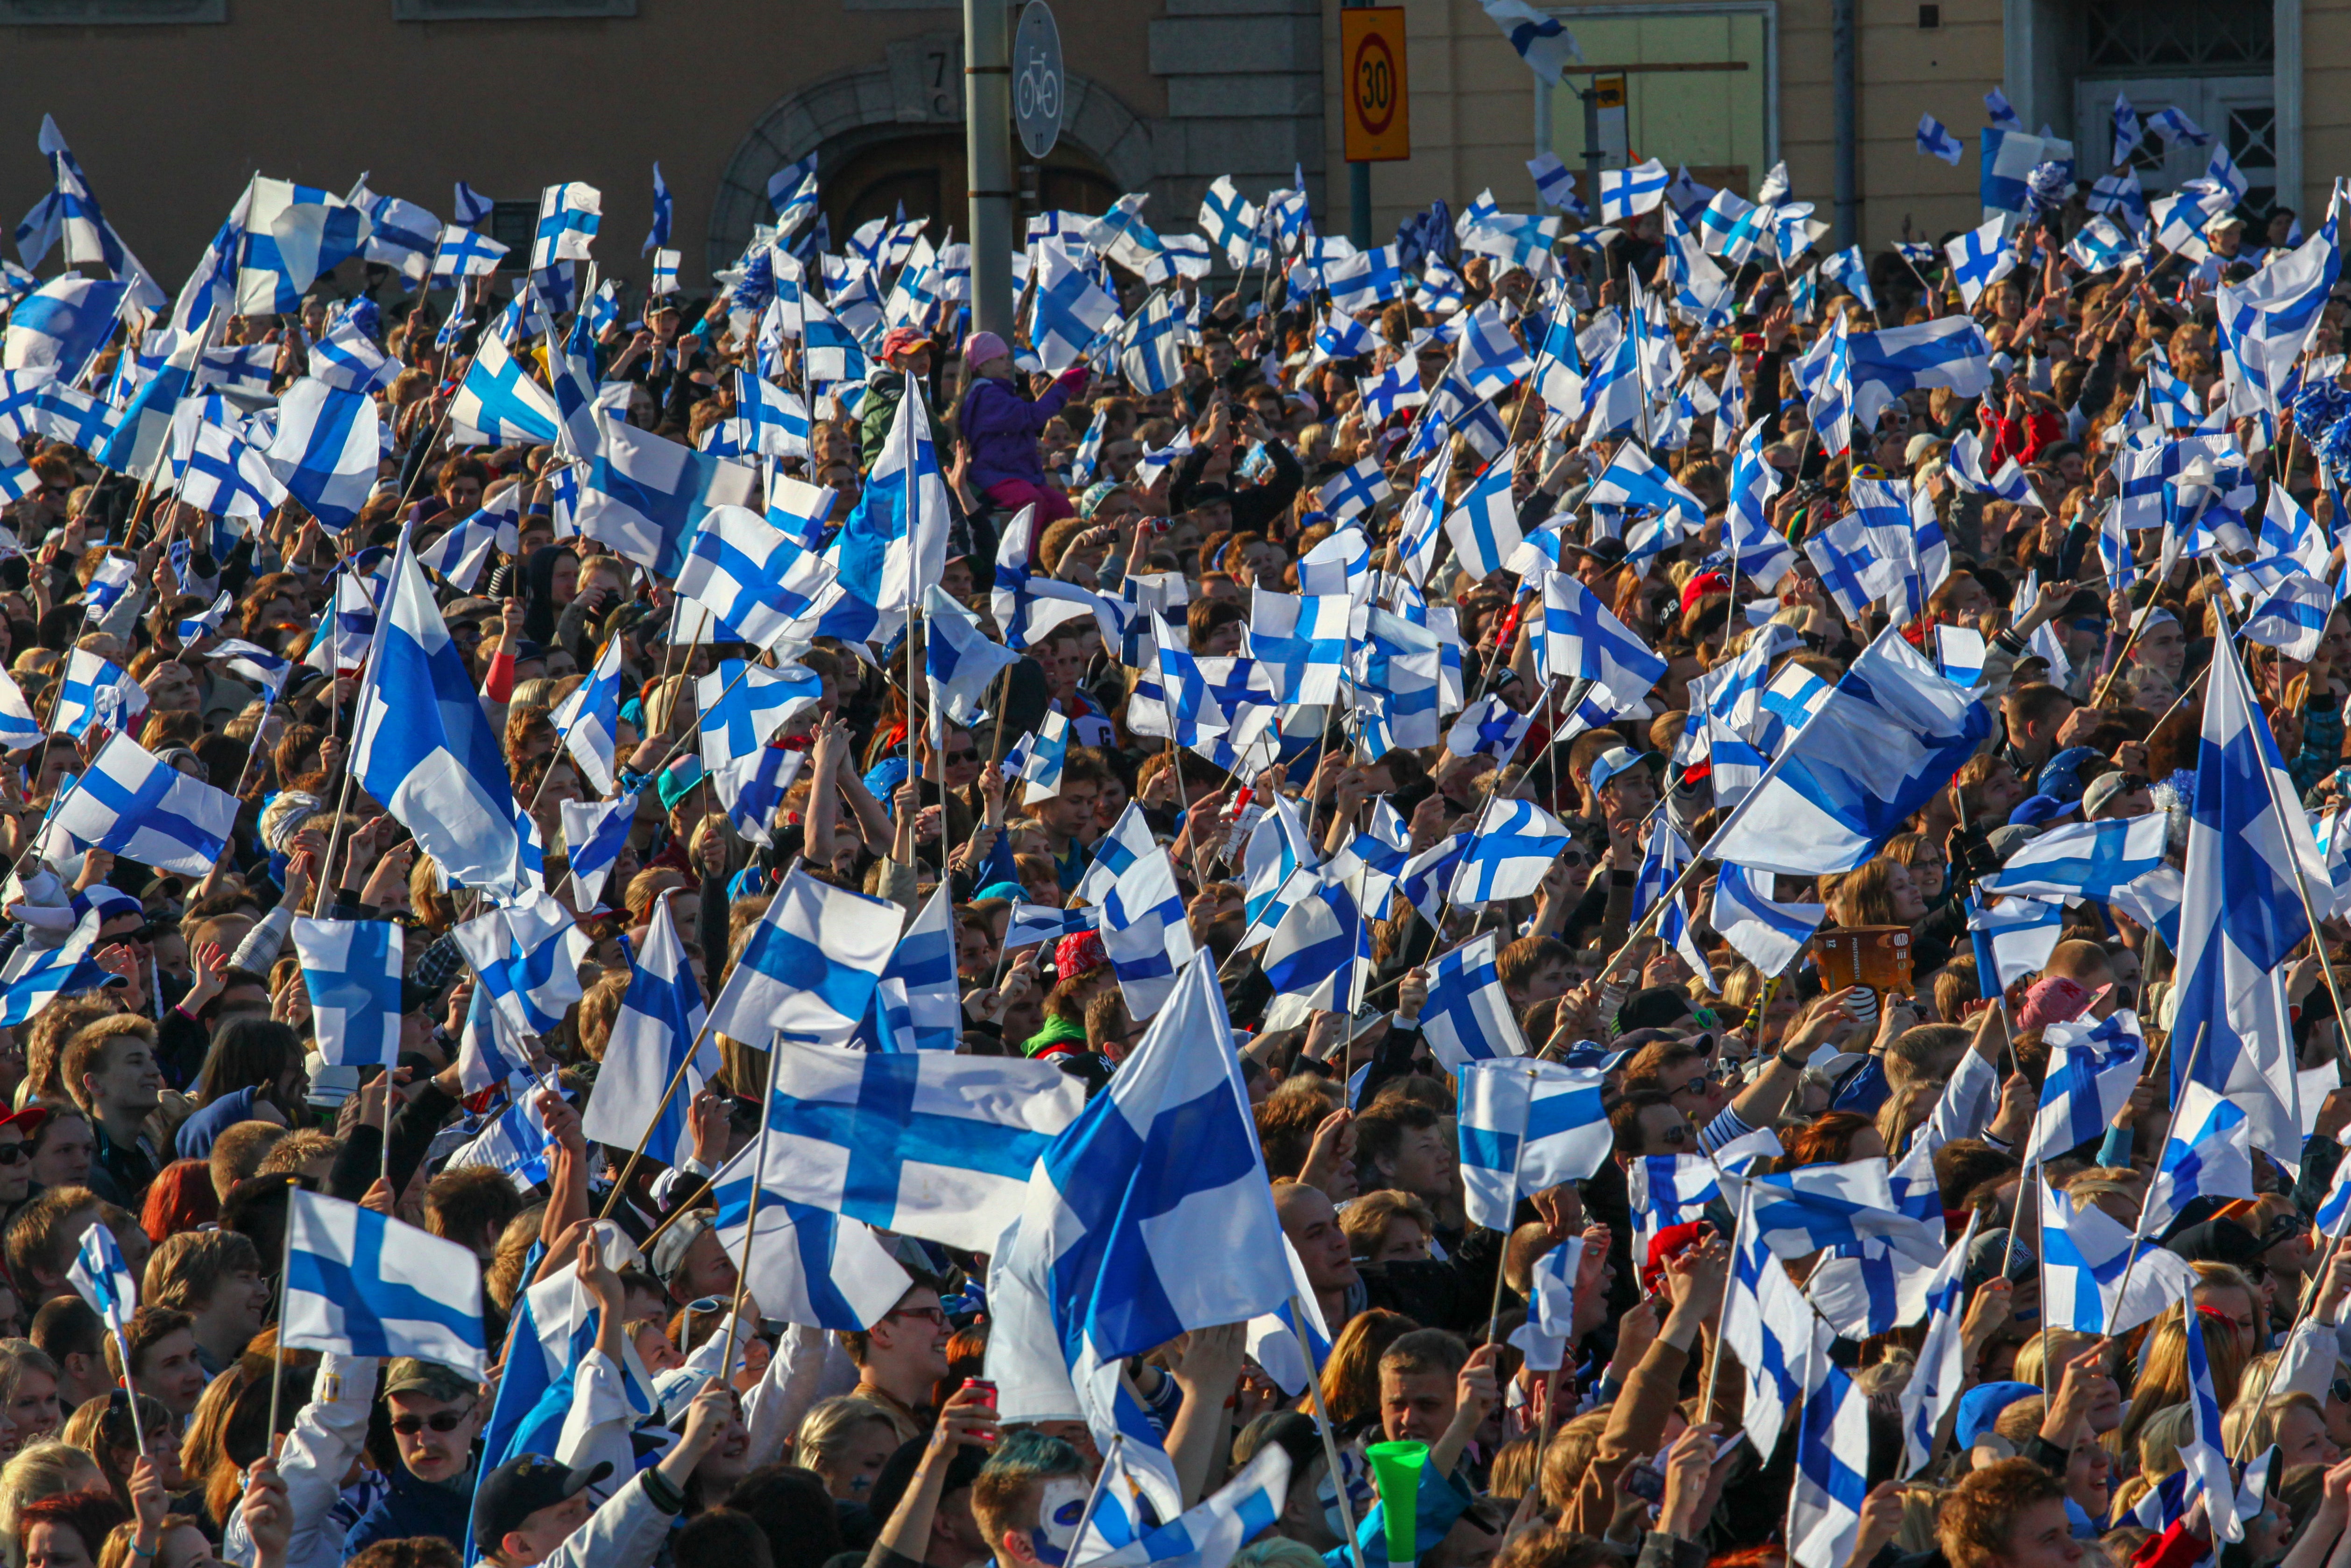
[{"x": 987, "y": 149}]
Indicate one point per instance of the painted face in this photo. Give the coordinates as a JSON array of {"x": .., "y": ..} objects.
[{"x": 1055, "y": 1536}]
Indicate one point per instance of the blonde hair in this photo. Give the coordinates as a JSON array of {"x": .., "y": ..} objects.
[
  {"x": 825, "y": 1430},
  {"x": 44, "y": 1469}
]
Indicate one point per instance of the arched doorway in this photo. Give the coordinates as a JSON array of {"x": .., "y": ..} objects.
[
  {"x": 923, "y": 173},
  {"x": 871, "y": 160}
]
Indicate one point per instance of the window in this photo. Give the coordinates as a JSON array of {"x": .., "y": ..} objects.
[
  {"x": 2177, "y": 38},
  {"x": 513, "y": 224},
  {"x": 505, "y": 10},
  {"x": 1707, "y": 109},
  {"x": 127, "y": 13}
]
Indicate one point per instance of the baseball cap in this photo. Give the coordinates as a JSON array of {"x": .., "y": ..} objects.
[
  {"x": 2061, "y": 775},
  {"x": 520, "y": 1488},
  {"x": 1623, "y": 759},
  {"x": 1608, "y": 552},
  {"x": 678, "y": 780},
  {"x": 2104, "y": 787},
  {"x": 899, "y": 339},
  {"x": 2039, "y": 810},
  {"x": 669, "y": 1248},
  {"x": 413, "y": 1374}
]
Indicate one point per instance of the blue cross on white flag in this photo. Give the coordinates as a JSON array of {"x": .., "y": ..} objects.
[
  {"x": 924, "y": 1144},
  {"x": 808, "y": 969},
  {"x": 1800, "y": 1212},
  {"x": 1539, "y": 39},
  {"x": 1526, "y": 1126},
  {"x": 1468, "y": 1016},
  {"x": 526, "y": 955},
  {"x": 1765, "y": 932},
  {"x": 596, "y": 832},
  {"x": 1626, "y": 194},
  {"x": 1581, "y": 640},
  {"x": 1768, "y": 1324},
  {"x": 1514, "y": 848},
  {"x": 2240, "y": 916},
  {"x": 360, "y": 1284},
  {"x": 1939, "y": 1375},
  {"x": 132, "y": 805},
  {"x": 1937, "y": 141},
  {"x": 101, "y": 1277},
  {"x": 1321, "y": 945},
  {"x": 2207, "y": 1153},
  {"x": 1145, "y": 932},
  {"x": 426, "y": 752},
  {"x": 2086, "y": 1253},
  {"x": 1888, "y": 737},
  {"x": 2093, "y": 1067},
  {"x": 1159, "y": 1171},
  {"x": 353, "y": 973},
  {"x": 326, "y": 449},
  {"x": 657, "y": 1040},
  {"x": 589, "y": 719},
  {"x": 1488, "y": 727},
  {"x": 2084, "y": 860},
  {"x": 1831, "y": 1462},
  {"x": 756, "y": 580},
  {"x": 1484, "y": 523},
  {"x": 35, "y": 976}
]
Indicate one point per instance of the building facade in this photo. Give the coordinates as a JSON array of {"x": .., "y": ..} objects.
[
  {"x": 172, "y": 105},
  {"x": 1729, "y": 87}
]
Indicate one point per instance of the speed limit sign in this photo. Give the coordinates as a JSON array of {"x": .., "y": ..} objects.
[
  {"x": 1037, "y": 79},
  {"x": 1378, "y": 119}
]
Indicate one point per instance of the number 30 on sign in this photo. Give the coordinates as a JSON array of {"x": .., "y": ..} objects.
[{"x": 1379, "y": 115}]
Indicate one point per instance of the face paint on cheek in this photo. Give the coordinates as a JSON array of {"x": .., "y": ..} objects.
[{"x": 1055, "y": 1539}]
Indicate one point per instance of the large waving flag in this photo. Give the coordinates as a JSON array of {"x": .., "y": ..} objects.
[
  {"x": 2242, "y": 916},
  {"x": 292, "y": 233},
  {"x": 361, "y": 1285},
  {"x": 1885, "y": 739},
  {"x": 129, "y": 804},
  {"x": 326, "y": 449},
  {"x": 61, "y": 326},
  {"x": 646, "y": 495},
  {"x": 352, "y": 971},
  {"x": 526, "y": 955},
  {"x": 2084, "y": 860},
  {"x": 657, "y": 1040},
  {"x": 807, "y": 970},
  {"x": 752, "y": 576},
  {"x": 426, "y": 752},
  {"x": 498, "y": 402},
  {"x": 2087, "y": 1255},
  {"x": 922, "y": 1144},
  {"x": 1160, "y": 1171}
]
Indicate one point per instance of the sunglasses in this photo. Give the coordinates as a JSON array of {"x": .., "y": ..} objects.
[
  {"x": 936, "y": 1315},
  {"x": 15, "y": 1153},
  {"x": 440, "y": 1421},
  {"x": 1574, "y": 858},
  {"x": 1675, "y": 1135}
]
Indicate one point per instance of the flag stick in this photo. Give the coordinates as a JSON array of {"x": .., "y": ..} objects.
[
  {"x": 620, "y": 1184},
  {"x": 2139, "y": 1228},
  {"x": 1110, "y": 1460},
  {"x": 122, "y": 1345},
  {"x": 1714, "y": 1362},
  {"x": 759, "y": 1184},
  {"x": 278, "y": 1340},
  {"x": 1323, "y": 1422}
]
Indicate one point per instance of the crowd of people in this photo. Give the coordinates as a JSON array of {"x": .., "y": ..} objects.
[{"x": 174, "y": 1093}]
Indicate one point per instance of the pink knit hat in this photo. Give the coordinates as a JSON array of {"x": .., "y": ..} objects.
[{"x": 982, "y": 346}]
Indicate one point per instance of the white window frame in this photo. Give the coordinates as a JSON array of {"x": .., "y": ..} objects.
[{"x": 1767, "y": 9}]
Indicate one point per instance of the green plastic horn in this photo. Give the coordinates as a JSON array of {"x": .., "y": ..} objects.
[{"x": 1397, "y": 1467}]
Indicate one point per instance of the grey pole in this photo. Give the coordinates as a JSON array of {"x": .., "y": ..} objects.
[
  {"x": 988, "y": 144},
  {"x": 1845, "y": 67}
]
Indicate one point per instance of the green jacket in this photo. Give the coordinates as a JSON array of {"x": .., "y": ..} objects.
[{"x": 885, "y": 387}]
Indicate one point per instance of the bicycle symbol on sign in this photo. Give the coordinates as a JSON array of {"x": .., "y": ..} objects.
[{"x": 1039, "y": 89}]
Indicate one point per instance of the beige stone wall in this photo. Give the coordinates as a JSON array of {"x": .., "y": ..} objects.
[{"x": 169, "y": 121}]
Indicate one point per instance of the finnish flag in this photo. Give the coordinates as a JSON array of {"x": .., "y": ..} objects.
[
  {"x": 1468, "y": 1016},
  {"x": 353, "y": 970},
  {"x": 924, "y": 1144},
  {"x": 1626, "y": 194},
  {"x": 1512, "y": 848},
  {"x": 756, "y": 580},
  {"x": 61, "y": 326},
  {"x": 1145, "y": 932},
  {"x": 596, "y": 832},
  {"x": 744, "y": 706},
  {"x": 1526, "y": 1126},
  {"x": 1319, "y": 947},
  {"x": 1765, "y": 932},
  {"x": 2084, "y": 860},
  {"x": 101, "y": 1277},
  {"x": 360, "y": 1284},
  {"x": 2086, "y": 1252},
  {"x": 526, "y": 955},
  {"x": 1768, "y": 1324},
  {"x": 1936, "y": 142},
  {"x": 808, "y": 969},
  {"x": 131, "y": 805},
  {"x": 646, "y": 495},
  {"x": 498, "y": 402},
  {"x": 1484, "y": 523},
  {"x": 326, "y": 449},
  {"x": 589, "y": 719},
  {"x": 34, "y": 975},
  {"x": 657, "y": 1040},
  {"x": 2093, "y": 1067},
  {"x": 426, "y": 752}
]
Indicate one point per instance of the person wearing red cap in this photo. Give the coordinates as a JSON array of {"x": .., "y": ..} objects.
[
  {"x": 905, "y": 363},
  {"x": 1083, "y": 972}
]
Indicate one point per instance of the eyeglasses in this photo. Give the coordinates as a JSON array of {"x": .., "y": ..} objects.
[
  {"x": 440, "y": 1421},
  {"x": 936, "y": 1315}
]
